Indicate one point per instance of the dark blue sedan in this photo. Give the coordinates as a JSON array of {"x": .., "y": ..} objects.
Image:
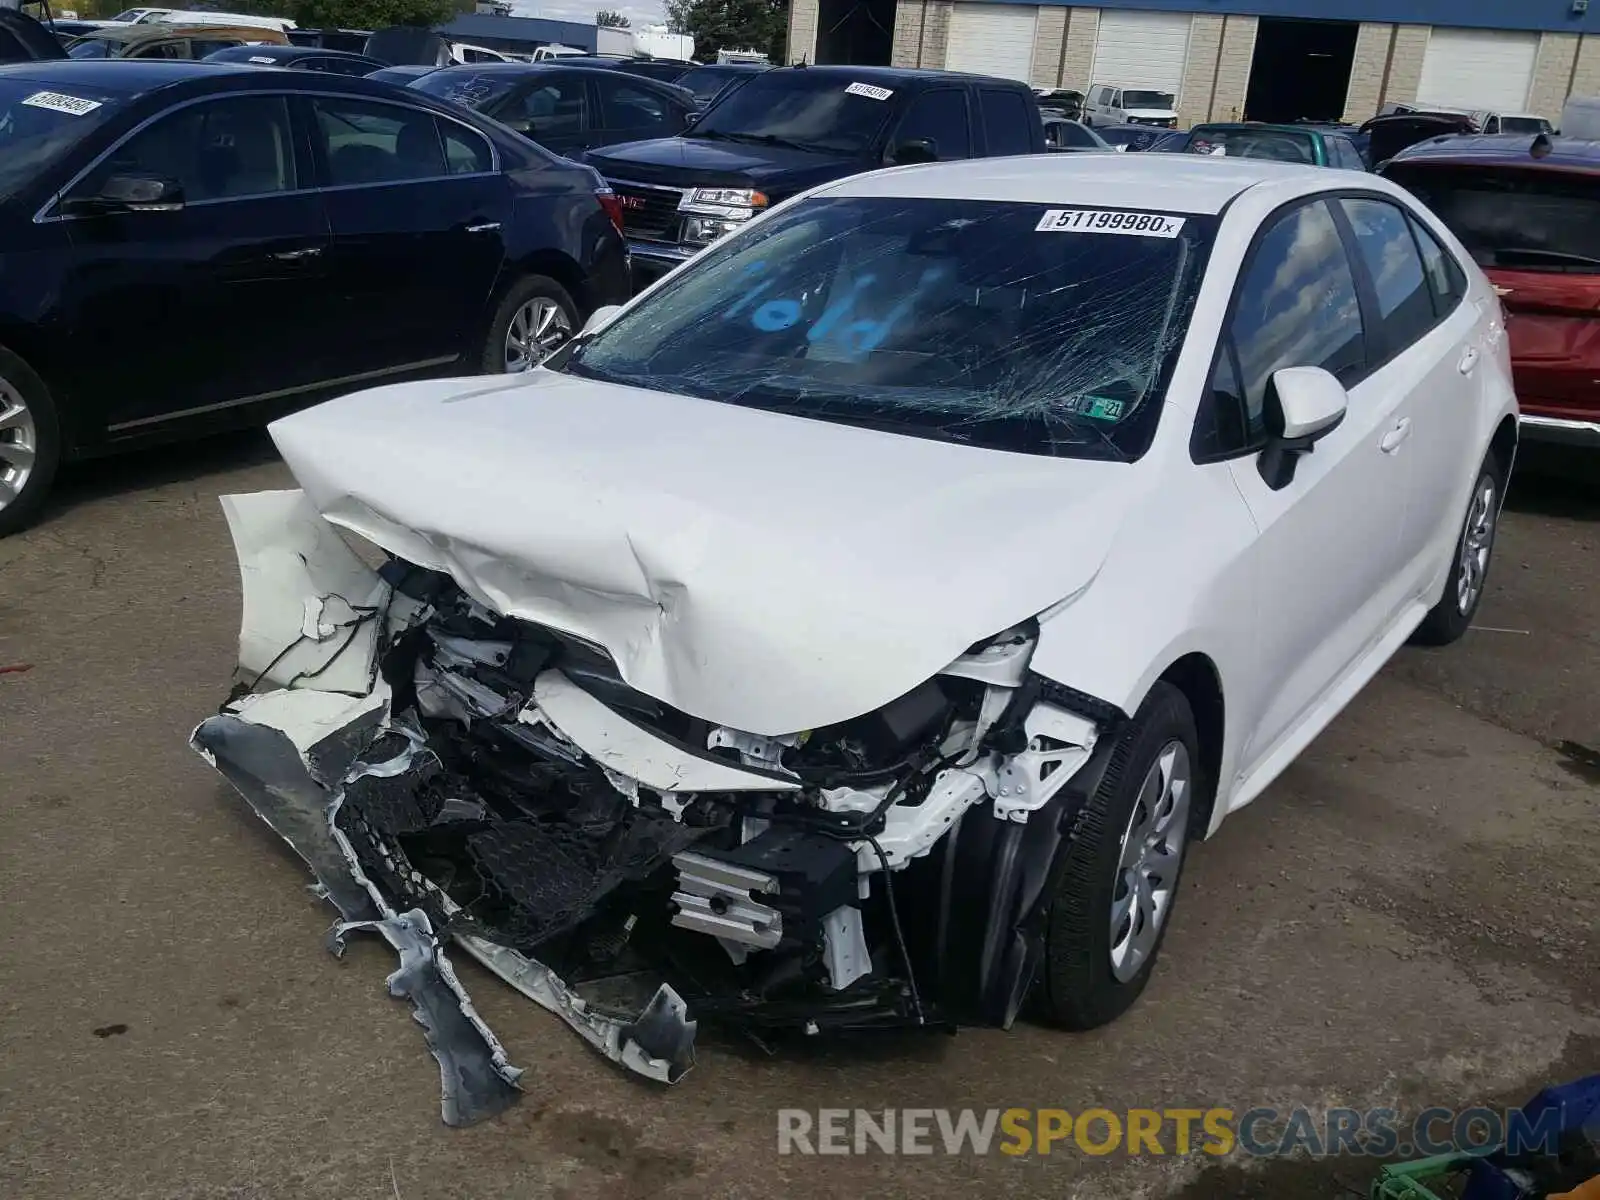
[{"x": 231, "y": 242}]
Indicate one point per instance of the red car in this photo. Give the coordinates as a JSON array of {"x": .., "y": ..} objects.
[{"x": 1528, "y": 210}]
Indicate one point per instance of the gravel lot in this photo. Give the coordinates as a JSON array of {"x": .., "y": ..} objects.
[{"x": 1410, "y": 916}]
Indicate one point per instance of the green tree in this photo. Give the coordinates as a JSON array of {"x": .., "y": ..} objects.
[
  {"x": 368, "y": 14},
  {"x": 735, "y": 25},
  {"x": 608, "y": 18}
]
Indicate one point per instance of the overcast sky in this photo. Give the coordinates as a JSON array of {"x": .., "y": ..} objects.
[{"x": 640, "y": 12}]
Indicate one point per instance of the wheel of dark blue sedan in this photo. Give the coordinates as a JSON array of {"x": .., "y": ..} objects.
[
  {"x": 535, "y": 318},
  {"x": 1116, "y": 890},
  {"x": 30, "y": 443}
]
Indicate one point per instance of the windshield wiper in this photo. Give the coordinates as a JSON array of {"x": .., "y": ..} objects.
[{"x": 1553, "y": 257}]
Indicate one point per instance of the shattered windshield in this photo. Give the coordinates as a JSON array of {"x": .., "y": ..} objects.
[
  {"x": 1013, "y": 326},
  {"x": 1517, "y": 219},
  {"x": 806, "y": 110}
]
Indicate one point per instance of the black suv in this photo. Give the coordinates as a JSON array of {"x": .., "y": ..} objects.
[
  {"x": 194, "y": 245},
  {"x": 793, "y": 128}
]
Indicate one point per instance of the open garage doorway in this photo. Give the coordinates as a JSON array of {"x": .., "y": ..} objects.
[
  {"x": 1300, "y": 70},
  {"x": 860, "y": 32}
]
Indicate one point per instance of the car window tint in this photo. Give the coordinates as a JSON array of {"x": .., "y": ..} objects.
[
  {"x": 216, "y": 150},
  {"x": 1052, "y": 133},
  {"x": 553, "y": 107},
  {"x": 1343, "y": 154},
  {"x": 335, "y": 66},
  {"x": 1005, "y": 122},
  {"x": 1296, "y": 307},
  {"x": 377, "y": 143},
  {"x": 1390, "y": 253},
  {"x": 628, "y": 106},
  {"x": 200, "y": 47},
  {"x": 465, "y": 152},
  {"x": 1446, "y": 280},
  {"x": 1074, "y": 134},
  {"x": 941, "y": 117}
]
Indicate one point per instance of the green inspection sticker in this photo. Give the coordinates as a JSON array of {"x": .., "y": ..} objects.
[{"x": 1100, "y": 408}]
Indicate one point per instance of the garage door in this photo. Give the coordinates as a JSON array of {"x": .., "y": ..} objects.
[
  {"x": 1479, "y": 68},
  {"x": 992, "y": 39},
  {"x": 1141, "y": 49}
]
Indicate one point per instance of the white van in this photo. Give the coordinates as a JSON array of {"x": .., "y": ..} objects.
[{"x": 1108, "y": 104}]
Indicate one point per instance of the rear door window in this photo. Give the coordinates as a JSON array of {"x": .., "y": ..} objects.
[
  {"x": 1446, "y": 280},
  {"x": 1005, "y": 122},
  {"x": 627, "y": 105},
  {"x": 366, "y": 143},
  {"x": 1518, "y": 218}
]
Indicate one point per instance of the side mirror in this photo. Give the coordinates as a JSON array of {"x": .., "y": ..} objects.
[
  {"x": 130, "y": 193},
  {"x": 914, "y": 150},
  {"x": 600, "y": 318},
  {"x": 1303, "y": 405}
]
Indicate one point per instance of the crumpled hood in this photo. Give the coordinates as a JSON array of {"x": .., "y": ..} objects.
[
  {"x": 766, "y": 572},
  {"x": 707, "y": 162}
]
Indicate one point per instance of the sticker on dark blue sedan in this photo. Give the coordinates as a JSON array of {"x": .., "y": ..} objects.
[
  {"x": 75, "y": 106},
  {"x": 1101, "y": 220}
]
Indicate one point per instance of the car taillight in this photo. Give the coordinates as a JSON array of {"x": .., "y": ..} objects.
[{"x": 612, "y": 203}]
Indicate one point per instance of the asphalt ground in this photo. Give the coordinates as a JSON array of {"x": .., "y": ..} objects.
[{"x": 1409, "y": 917}]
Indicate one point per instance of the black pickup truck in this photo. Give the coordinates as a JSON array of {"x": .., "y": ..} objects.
[{"x": 792, "y": 128}]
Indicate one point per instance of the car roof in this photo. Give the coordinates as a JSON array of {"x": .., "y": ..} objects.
[
  {"x": 1258, "y": 126},
  {"x": 518, "y": 70},
  {"x": 894, "y": 76},
  {"x": 292, "y": 51},
  {"x": 139, "y": 76},
  {"x": 145, "y": 33},
  {"x": 1194, "y": 184},
  {"x": 1505, "y": 149}
]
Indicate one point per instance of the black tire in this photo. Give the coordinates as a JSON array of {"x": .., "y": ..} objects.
[
  {"x": 1078, "y": 988},
  {"x": 1450, "y": 618},
  {"x": 492, "y": 355},
  {"x": 20, "y": 510}
]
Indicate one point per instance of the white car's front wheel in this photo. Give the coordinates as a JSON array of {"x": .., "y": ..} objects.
[{"x": 1116, "y": 892}]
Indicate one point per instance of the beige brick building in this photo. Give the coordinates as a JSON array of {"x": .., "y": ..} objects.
[{"x": 1258, "y": 59}]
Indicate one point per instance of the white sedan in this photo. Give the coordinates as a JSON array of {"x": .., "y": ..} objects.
[{"x": 857, "y": 628}]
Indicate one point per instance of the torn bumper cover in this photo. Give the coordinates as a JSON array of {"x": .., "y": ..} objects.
[{"x": 450, "y": 774}]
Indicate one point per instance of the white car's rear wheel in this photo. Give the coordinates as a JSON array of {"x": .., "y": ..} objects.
[
  {"x": 1117, "y": 888},
  {"x": 1469, "y": 569}
]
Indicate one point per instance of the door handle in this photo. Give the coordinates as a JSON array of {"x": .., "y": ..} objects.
[
  {"x": 297, "y": 255},
  {"x": 1469, "y": 361},
  {"x": 486, "y": 227},
  {"x": 1391, "y": 440}
]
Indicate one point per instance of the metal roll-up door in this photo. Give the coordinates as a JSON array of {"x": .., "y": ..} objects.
[
  {"x": 993, "y": 39},
  {"x": 1141, "y": 49},
  {"x": 1479, "y": 68}
]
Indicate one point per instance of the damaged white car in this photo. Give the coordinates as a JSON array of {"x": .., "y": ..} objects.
[{"x": 854, "y": 631}]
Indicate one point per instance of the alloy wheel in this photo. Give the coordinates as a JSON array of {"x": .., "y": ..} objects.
[
  {"x": 1477, "y": 540},
  {"x": 1147, "y": 867},
  {"x": 537, "y": 330},
  {"x": 19, "y": 443}
]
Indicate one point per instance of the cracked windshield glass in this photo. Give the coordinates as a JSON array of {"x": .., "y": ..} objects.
[{"x": 1010, "y": 326}]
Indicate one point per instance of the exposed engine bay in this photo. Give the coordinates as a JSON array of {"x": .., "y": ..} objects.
[{"x": 635, "y": 868}]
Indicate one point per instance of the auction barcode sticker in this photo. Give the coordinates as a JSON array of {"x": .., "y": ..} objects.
[
  {"x": 1102, "y": 220},
  {"x": 870, "y": 91},
  {"x": 56, "y": 102}
]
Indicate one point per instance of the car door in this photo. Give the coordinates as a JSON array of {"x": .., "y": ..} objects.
[
  {"x": 940, "y": 117},
  {"x": 218, "y": 302},
  {"x": 1325, "y": 562},
  {"x": 629, "y": 111},
  {"x": 418, "y": 212},
  {"x": 1432, "y": 352}
]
